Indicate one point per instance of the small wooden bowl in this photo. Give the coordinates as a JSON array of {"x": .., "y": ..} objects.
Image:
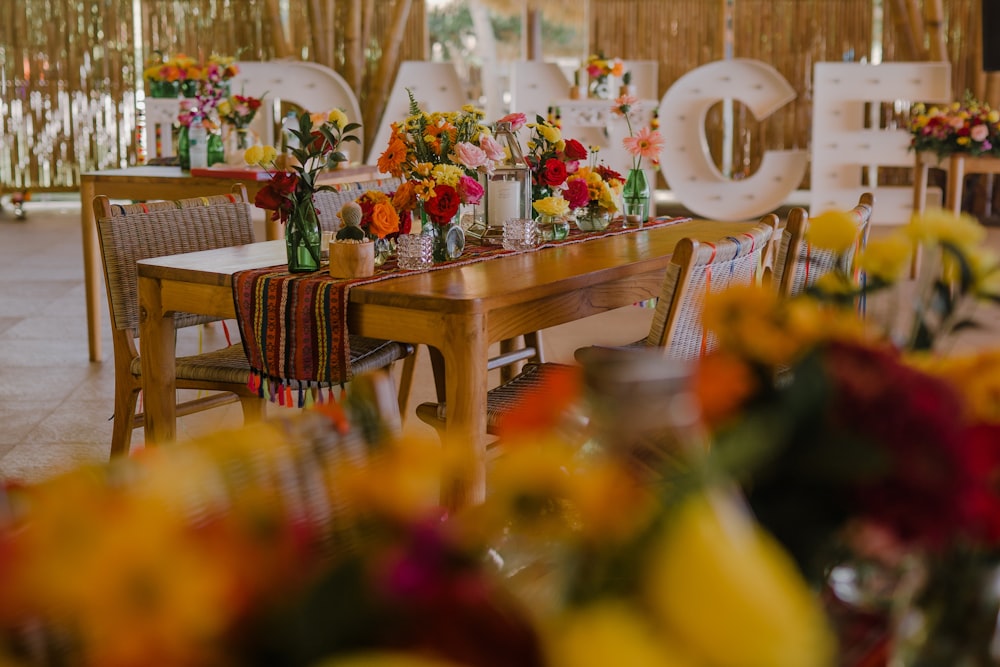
[{"x": 351, "y": 259}]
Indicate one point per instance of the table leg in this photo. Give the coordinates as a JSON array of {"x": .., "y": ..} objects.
[
  {"x": 920, "y": 176},
  {"x": 956, "y": 181},
  {"x": 465, "y": 351},
  {"x": 159, "y": 373},
  {"x": 91, "y": 269}
]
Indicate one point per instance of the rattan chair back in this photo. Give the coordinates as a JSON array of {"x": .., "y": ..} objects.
[
  {"x": 698, "y": 268},
  {"x": 798, "y": 265}
]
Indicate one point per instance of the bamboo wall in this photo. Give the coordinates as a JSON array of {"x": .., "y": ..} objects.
[{"x": 68, "y": 67}]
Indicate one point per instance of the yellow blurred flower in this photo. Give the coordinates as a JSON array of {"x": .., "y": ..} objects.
[
  {"x": 610, "y": 633},
  {"x": 385, "y": 659},
  {"x": 833, "y": 230},
  {"x": 835, "y": 283},
  {"x": 886, "y": 258},
  {"x": 253, "y": 155},
  {"x": 714, "y": 574},
  {"x": 937, "y": 225},
  {"x": 549, "y": 132}
]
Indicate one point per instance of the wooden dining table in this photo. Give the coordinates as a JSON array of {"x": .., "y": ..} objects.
[
  {"x": 459, "y": 311},
  {"x": 148, "y": 183}
]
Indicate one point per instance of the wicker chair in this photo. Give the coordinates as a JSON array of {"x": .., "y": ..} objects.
[
  {"x": 695, "y": 268},
  {"x": 798, "y": 266}
]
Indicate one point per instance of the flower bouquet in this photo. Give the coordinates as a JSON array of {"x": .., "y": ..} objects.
[
  {"x": 553, "y": 225},
  {"x": 295, "y": 178},
  {"x": 646, "y": 143},
  {"x": 438, "y": 156},
  {"x": 552, "y": 159},
  {"x": 594, "y": 191},
  {"x": 599, "y": 68},
  {"x": 875, "y": 456},
  {"x": 237, "y": 112},
  {"x": 166, "y": 76},
  {"x": 969, "y": 126}
]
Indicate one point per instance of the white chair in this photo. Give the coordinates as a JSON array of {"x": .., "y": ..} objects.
[
  {"x": 309, "y": 86},
  {"x": 435, "y": 86},
  {"x": 645, "y": 78},
  {"x": 534, "y": 85}
]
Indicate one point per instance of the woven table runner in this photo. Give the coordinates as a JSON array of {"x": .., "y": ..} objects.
[{"x": 294, "y": 325}]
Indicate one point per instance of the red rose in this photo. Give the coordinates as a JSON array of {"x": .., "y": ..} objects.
[
  {"x": 276, "y": 195},
  {"x": 577, "y": 193},
  {"x": 443, "y": 206},
  {"x": 554, "y": 172},
  {"x": 575, "y": 150}
]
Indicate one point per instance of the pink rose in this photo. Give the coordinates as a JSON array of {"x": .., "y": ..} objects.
[
  {"x": 469, "y": 190},
  {"x": 979, "y": 133},
  {"x": 516, "y": 120},
  {"x": 494, "y": 150},
  {"x": 470, "y": 155}
]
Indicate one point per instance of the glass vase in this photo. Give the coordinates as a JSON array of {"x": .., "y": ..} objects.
[
  {"x": 952, "y": 619},
  {"x": 592, "y": 219},
  {"x": 552, "y": 227},
  {"x": 164, "y": 89},
  {"x": 188, "y": 88},
  {"x": 183, "y": 149},
  {"x": 303, "y": 237},
  {"x": 448, "y": 239},
  {"x": 600, "y": 88},
  {"x": 216, "y": 149},
  {"x": 635, "y": 198},
  {"x": 237, "y": 141}
]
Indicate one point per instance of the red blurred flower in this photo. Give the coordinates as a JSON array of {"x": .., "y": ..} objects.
[
  {"x": 554, "y": 172},
  {"x": 577, "y": 193}
]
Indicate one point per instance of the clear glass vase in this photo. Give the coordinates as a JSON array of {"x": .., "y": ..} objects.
[
  {"x": 552, "y": 227},
  {"x": 592, "y": 219},
  {"x": 448, "y": 239},
  {"x": 303, "y": 237},
  {"x": 635, "y": 197}
]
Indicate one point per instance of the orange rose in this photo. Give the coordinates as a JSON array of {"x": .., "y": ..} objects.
[
  {"x": 405, "y": 197},
  {"x": 384, "y": 220}
]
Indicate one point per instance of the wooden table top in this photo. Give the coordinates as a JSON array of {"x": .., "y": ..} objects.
[{"x": 485, "y": 285}]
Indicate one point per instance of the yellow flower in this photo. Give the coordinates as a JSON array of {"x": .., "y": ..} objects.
[
  {"x": 224, "y": 107},
  {"x": 555, "y": 206},
  {"x": 447, "y": 174},
  {"x": 253, "y": 155},
  {"x": 609, "y": 633},
  {"x": 937, "y": 225},
  {"x": 549, "y": 133},
  {"x": 993, "y": 116},
  {"x": 338, "y": 118},
  {"x": 833, "y": 230},
  {"x": 886, "y": 258},
  {"x": 963, "y": 141},
  {"x": 975, "y": 376},
  {"x": 835, "y": 283},
  {"x": 981, "y": 264},
  {"x": 713, "y": 573},
  {"x": 268, "y": 155},
  {"x": 385, "y": 659}
]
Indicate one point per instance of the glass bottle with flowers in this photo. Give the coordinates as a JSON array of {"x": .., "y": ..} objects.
[
  {"x": 645, "y": 143},
  {"x": 295, "y": 179},
  {"x": 237, "y": 112},
  {"x": 201, "y": 111},
  {"x": 599, "y": 68},
  {"x": 438, "y": 155},
  {"x": 594, "y": 191}
]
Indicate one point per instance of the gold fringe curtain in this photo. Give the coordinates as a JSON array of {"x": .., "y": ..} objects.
[{"x": 68, "y": 69}]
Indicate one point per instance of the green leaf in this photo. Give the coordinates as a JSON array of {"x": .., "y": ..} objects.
[{"x": 350, "y": 127}]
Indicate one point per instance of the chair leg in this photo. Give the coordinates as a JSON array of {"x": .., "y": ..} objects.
[
  {"x": 253, "y": 408},
  {"x": 406, "y": 382},
  {"x": 510, "y": 370},
  {"x": 121, "y": 431},
  {"x": 534, "y": 339}
]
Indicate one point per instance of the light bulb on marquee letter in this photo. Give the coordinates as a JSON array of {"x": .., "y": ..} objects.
[{"x": 686, "y": 161}]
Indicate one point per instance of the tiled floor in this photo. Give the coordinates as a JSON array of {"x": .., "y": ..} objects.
[{"x": 55, "y": 405}]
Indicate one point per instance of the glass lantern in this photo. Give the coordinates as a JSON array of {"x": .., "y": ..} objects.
[{"x": 507, "y": 191}]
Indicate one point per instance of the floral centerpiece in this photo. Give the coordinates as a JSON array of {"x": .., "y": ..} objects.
[
  {"x": 182, "y": 74},
  {"x": 644, "y": 143},
  {"x": 876, "y": 451},
  {"x": 551, "y": 157},
  {"x": 594, "y": 191},
  {"x": 295, "y": 178},
  {"x": 599, "y": 68},
  {"x": 438, "y": 155},
  {"x": 237, "y": 112},
  {"x": 969, "y": 127},
  {"x": 200, "y": 110}
]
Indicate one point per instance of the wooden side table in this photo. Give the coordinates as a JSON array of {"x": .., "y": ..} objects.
[{"x": 957, "y": 166}]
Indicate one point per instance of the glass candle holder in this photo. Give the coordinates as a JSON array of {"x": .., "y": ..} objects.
[
  {"x": 520, "y": 234},
  {"x": 415, "y": 251}
]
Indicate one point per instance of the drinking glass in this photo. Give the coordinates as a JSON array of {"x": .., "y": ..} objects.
[
  {"x": 520, "y": 234},
  {"x": 414, "y": 251}
]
